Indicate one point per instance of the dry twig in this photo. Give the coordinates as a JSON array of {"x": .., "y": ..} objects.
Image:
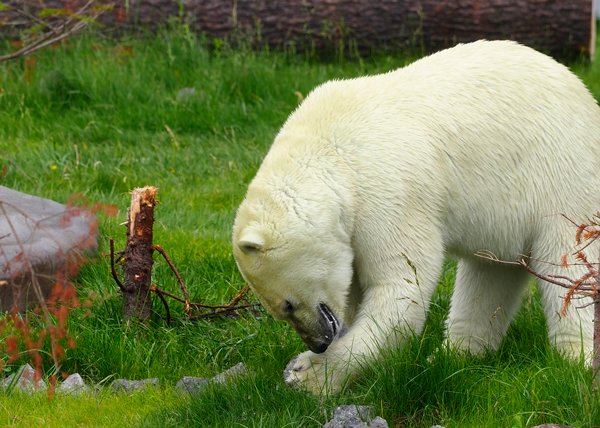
[
  {"x": 215, "y": 310},
  {"x": 183, "y": 289},
  {"x": 74, "y": 23}
]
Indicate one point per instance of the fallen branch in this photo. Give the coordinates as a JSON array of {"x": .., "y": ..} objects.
[
  {"x": 164, "y": 302},
  {"x": 223, "y": 311},
  {"x": 112, "y": 266},
  {"x": 74, "y": 23},
  {"x": 183, "y": 289}
]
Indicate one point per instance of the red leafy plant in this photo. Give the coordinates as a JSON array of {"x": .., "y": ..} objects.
[{"x": 42, "y": 333}]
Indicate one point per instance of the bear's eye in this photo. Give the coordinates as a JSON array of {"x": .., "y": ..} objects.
[{"x": 288, "y": 308}]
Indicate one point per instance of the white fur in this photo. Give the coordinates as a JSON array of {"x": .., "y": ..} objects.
[{"x": 478, "y": 147}]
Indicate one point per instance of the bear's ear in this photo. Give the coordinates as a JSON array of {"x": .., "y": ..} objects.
[{"x": 251, "y": 242}]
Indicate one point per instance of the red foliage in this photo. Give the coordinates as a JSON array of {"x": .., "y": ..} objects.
[
  {"x": 52, "y": 385},
  {"x": 120, "y": 14},
  {"x": 11, "y": 346},
  {"x": 580, "y": 230},
  {"x": 48, "y": 324},
  {"x": 126, "y": 50},
  {"x": 29, "y": 70},
  {"x": 80, "y": 201}
]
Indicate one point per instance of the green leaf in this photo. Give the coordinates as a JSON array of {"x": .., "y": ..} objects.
[
  {"x": 3, "y": 7},
  {"x": 50, "y": 12}
]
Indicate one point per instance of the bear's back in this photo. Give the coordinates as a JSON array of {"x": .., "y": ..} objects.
[{"x": 482, "y": 133}]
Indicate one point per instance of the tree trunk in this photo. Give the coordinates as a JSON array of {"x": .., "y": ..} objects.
[
  {"x": 562, "y": 28},
  {"x": 137, "y": 261}
]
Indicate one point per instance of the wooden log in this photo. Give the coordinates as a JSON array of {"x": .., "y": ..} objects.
[
  {"x": 562, "y": 28},
  {"x": 137, "y": 260}
]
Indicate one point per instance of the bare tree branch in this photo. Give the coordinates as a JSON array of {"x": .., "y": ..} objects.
[
  {"x": 183, "y": 289},
  {"x": 74, "y": 23}
]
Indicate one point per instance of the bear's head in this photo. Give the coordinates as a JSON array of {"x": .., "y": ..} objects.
[{"x": 293, "y": 250}]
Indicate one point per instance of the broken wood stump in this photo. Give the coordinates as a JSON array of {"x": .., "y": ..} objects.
[{"x": 137, "y": 256}]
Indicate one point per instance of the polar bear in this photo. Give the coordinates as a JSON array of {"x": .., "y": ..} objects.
[{"x": 373, "y": 180}]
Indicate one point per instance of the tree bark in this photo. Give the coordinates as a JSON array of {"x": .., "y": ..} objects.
[
  {"x": 137, "y": 260},
  {"x": 562, "y": 28}
]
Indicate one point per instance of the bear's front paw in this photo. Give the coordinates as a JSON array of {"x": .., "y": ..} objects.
[{"x": 313, "y": 372}]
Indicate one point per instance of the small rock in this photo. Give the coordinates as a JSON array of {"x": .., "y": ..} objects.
[
  {"x": 186, "y": 92},
  {"x": 552, "y": 426},
  {"x": 355, "y": 417},
  {"x": 437, "y": 426},
  {"x": 23, "y": 381},
  {"x": 73, "y": 385},
  {"x": 191, "y": 385},
  {"x": 238, "y": 370},
  {"x": 196, "y": 385},
  {"x": 126, "y": 385},
  {"x": 378, "y": 422}
]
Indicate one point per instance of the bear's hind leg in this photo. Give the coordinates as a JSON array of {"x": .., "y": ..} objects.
[{"x": 485, "y": 300}]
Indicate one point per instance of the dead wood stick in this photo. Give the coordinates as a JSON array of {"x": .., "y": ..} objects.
[
  {"x": 222, "y": 311},
  {"x": 112, "y": 266},
  {"x": 164, "y": 301},
  {"x": 200, "y": 305},
  {"x": 174, "y": 269},
  {"x": 239, "y": 296}
]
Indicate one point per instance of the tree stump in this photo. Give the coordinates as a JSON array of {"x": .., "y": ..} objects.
[{"x": 137, "y": 259}]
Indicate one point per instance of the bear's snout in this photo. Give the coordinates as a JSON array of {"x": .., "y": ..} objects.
[
  {"x": 319, "y": 349},
  {"x": 329, "y": 322},
  {"x": 319, "y": 329}
]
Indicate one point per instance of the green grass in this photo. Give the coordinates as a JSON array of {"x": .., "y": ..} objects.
[{"x": 91, "y": 118}]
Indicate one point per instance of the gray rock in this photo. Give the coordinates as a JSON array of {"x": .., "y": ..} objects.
[
  {"x": 23, "y": 381},
  {"x": 552, "y": 426},
  {"x": 437, "y": 426},
  {"x": 191, "y": 385},
  {"x": 126, "y": 385},
  {"x": 238, "y": 370},
  {"x": 41, "y": 232},
  {"x": 73, "y": 385},
  {"x": 378, "y": 422},
  {"x": 355, "y": 417},
  {"x": 186, "y": 93},
  {"x": 196, "y": 385}
]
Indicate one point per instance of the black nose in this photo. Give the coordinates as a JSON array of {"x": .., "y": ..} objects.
[{"x": 320, "y": 348}]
